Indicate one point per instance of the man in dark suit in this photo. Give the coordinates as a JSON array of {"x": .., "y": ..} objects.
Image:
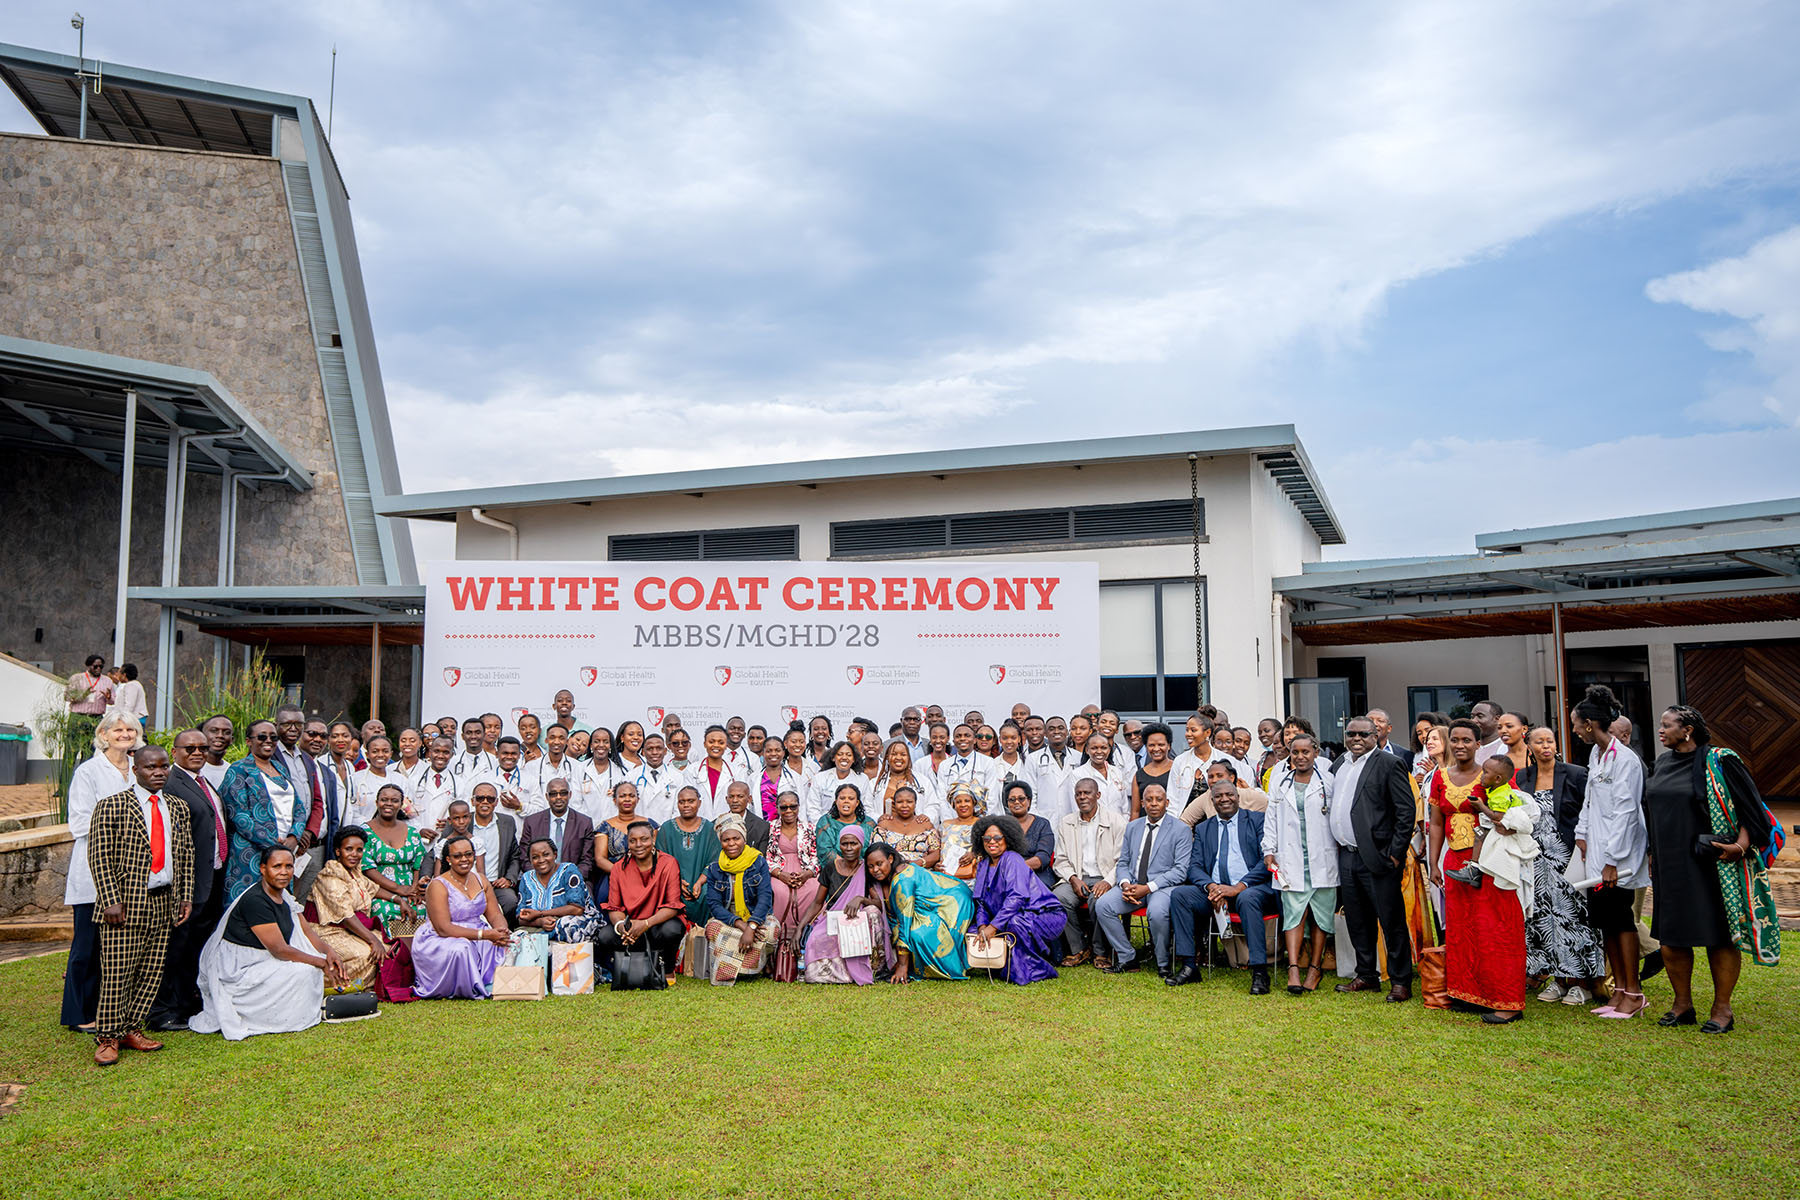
[
  {"x": 179, "y": 997},
  {"x": 141, "y": 854},
  {"x": 310, "y": 793},
  {"x": 1226, "y": 872},
  {"x": 568, "y": 830},
  {"x": 1372, "y": 816},
  {"x": 756, "y": 829},
  {"x": 497, "y": 840}
]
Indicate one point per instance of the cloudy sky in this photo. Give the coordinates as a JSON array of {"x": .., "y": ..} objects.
[{"x": 1501, "y": 265}]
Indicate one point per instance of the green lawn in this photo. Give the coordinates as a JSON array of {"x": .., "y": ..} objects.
[{"x": 1087, "y": 1086}]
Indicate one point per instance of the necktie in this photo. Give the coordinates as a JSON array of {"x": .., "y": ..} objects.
[
  {"x": 437, "y": 779},
  {"x": 212, "y": 798},
  {"x": 156, "y": 834},
  {"x": 1222, "y": 869},
  {"x": 557, "y": 836},
  {"x": 1143, "y": 871}
]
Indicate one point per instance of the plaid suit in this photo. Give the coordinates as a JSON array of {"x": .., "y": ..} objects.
[{"x": 131, "y": 954}]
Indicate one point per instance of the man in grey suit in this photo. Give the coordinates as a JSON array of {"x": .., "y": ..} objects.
[{"x": 1152, "y": 861}]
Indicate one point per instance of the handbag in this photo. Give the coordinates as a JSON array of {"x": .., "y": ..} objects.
[
  {"x": 403, "y": 924},
  {"x": 787, "y": 950},
  {"x": 519, "y": 982},
  {"x": 1432, "y": 980},
  {"x": 638, "y": 969},
  {"x": 351, "y": 1006},
  {"x": 994, "y": 957}
]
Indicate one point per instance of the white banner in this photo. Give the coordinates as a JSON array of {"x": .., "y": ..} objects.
[{"x": 767, "y": 641}]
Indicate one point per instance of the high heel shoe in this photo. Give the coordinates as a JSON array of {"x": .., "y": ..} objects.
[
  {"x": 1294, "y": 989},
  {"x": 1616, "y": 1015},
  {"x": 1314, "y": 985}
]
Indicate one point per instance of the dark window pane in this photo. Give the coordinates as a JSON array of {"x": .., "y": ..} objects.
[
  {"x": 1128, "y": 693},
  {"x": 1181, "y": 694}
]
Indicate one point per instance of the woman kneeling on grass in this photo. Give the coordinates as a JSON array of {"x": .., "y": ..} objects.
[
  {"x": 264, "y": 970},
  {"x": 930, "y": 913},
  {"x": 464, "y": 935},
  {"x": 1012, "y": 902}
]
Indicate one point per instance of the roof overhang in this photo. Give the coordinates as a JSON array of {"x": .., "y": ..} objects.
[
  {"x": 64, "y": 400},
  {"x": 1436, "y": 593},
  {"x": 269, "y": 609},
  {"x": 1276, "y": 447}
]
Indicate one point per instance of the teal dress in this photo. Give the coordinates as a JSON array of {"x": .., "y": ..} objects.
[{"x": 930, "y": 913}]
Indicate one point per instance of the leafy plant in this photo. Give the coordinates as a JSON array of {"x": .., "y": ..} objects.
[{"x": 247, "y": 693}]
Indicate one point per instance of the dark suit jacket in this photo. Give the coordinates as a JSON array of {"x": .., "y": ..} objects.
[
  {"x": 505, "y": 873},
  {"x": 1382, "y": 813},
  {"x": 202, "y": 827},
  {"x": 578, "y": 839},
  {"x": 756, "y": 830},
  {"x": 1204, "y": 860},
  {"x": 119, "y": 856},
  {"x": 1570, "y": 794}
]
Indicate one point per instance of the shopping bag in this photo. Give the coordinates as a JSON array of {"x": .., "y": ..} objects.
[
  {"x": 528, "y": 948},
  {"x": 1346, "y": 950},
  {"x": 1432, "y": 983},
  {"x": 520, "y": 982},
  {"x": 853, "y": 937},
  {"x": 571, "y": 968},
  {"x": 697, "y": 954}
]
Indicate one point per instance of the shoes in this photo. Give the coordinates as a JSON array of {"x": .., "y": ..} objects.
[
  {"x": 106, "y": 1051},
  {"x": 1501, "y": 1018},
  {"x": 1400, "y": 993},
  {"x": 1312, "y": 984},
  {"x": 1358, "y": 984},
  {"x": 1715, "y": 1027},
  {"x": 1294, "y": 989},
  {"x": 1613, "y": 1014},
  {"x": 1576, "y": 996},
  {"x": 1553, "y": 991},
  {"x": 1259, "y": 981},
  {"x": 135, "y": 1040},
  {"x": 1672, "y": 1018},
  {"x": 1126, "y": 967},
  {"x": 169, "y": 1025},
  {"x": 1075, "y": 960},
  {"x": 1102, "y": 961},
  {"x": 1652, "y": 965},
  {"x": 88, "y": 1027},
  {"x": 1188, "y": 974},
  {"x": 1470, "y": 875}
]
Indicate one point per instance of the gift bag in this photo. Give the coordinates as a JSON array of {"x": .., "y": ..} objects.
[
  {"x": 571, "y": 968},
  {"x": 528, "y": 948},
  {"x": 1432, "y": 983},
  {"x": 852, "y": 933},
  {"x": 697, "y": 954}
]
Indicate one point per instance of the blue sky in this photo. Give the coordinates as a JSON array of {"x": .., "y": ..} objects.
[{"x": 1501, "y": 265}]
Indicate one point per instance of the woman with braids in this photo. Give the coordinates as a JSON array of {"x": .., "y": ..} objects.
[
  {"x": 1711, "y": 840},
  {"x": 1611, "y": 838}
]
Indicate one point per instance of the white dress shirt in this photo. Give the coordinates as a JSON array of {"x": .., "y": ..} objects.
[
  {"x": 166, "y": 876},
  {"x": 1343, "y": 798}
]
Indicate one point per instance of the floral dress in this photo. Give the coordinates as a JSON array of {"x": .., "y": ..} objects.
[
  {"x": 399, "y": 863},
  {"x": 914, "y": 847}
]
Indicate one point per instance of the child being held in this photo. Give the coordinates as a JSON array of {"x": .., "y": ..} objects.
[{"x": 1504, "y": 845}]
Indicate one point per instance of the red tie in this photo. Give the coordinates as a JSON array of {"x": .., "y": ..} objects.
[
  {"x": 438, "y": 779},
  {"x": 219, "y": 842},
  {"x": 156, "y": 834}
]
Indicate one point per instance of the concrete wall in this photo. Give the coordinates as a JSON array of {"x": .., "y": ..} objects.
[
  {"x": 1252, "y": 534},
  {"x": 34, "y": 870},
  {"x": 176, "y": 257}
]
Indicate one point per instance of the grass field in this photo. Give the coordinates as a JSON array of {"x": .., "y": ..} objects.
[{"x": 1087, "y": 1086}]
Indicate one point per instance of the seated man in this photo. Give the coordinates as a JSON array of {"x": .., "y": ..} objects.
[
  {"x": 1200, "y": 808},
  {"x": 1087, "y": 850},
  {"x": 643, "y": 901},
  {"x": 1153, "y": 859},
  {"x": 1226, "y": 874}
]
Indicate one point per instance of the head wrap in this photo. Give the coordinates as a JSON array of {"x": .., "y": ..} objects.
[{"x": 729, "y": 822}]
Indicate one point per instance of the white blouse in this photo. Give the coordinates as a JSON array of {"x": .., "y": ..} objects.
[{"x": 93, "y": 781}]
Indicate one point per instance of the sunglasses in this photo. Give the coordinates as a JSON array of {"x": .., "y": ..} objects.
[
  {"x": 787, "y": 808},
  {"x": 261, "y": 737}
]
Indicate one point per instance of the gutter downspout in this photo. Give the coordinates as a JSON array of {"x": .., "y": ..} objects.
[{"x": 512, "y": 531}]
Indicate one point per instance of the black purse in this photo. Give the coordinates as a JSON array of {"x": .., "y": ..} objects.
[
  {"x": 350, "y": 1006},
  {"x": 638, "y": 970}
]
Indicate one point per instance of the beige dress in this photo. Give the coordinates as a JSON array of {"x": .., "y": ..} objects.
[{"x": 338, "y": 896}]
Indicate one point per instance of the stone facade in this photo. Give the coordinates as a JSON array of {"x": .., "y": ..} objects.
[{"x": 179, "y": 257}]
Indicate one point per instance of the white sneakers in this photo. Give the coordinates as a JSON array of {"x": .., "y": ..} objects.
[
  {"x": 1577, "y": 995},
  {"x": 1553, "y": 991}
]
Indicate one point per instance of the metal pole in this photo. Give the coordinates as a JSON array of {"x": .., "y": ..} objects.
[
  {"x": 81, "y": 76},
  {"x": 1562, "y": 681},
  {"x": 125, "y": 524},
  {"x": 375, "y": 671},
  {"x": 174, "y": 494}
]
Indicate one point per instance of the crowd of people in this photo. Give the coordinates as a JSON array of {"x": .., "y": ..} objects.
[{"x": 230, "y": 896}]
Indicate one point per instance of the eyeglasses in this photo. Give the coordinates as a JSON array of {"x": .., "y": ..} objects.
[
  {"x": 787, "y": 808},
  {"x": 261, "y": 737}
]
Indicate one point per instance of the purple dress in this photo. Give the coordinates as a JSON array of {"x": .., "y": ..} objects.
[
  {"x": 447, "y": 968},
  {"x": 1013, "y": 900}
]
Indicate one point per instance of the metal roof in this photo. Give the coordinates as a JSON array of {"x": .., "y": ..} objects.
[
  {"x": 1694, "y": 561},
  {"x": 1774, "y": 511},
  {"x": 400, "y": 604},
  {"x": 1276, "y": 447},
  {"x": 63, "y": 400}
]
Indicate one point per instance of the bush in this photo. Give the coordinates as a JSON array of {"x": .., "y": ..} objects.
[{"x": 248, "y": 693}]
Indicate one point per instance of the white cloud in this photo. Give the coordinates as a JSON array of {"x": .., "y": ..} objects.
[{"x": 1761, "y": 289}]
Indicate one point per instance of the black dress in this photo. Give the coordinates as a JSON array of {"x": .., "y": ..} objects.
[{"x": 1689, "y": 909}]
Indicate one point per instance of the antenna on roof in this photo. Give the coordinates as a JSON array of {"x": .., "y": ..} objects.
[
  {"x": 82, "y": 74},
  {"x": 331, "y": 100}
]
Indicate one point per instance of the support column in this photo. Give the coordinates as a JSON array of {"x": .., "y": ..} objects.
[
  {"x": 125, "y": 479},
  {"x": 375, "y": 670},
  {"x": 1562, "y": 681},
  {"x": 174, "y": 515}
]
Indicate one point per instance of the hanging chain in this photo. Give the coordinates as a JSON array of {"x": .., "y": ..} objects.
[{"x": 1199, "y": 584}]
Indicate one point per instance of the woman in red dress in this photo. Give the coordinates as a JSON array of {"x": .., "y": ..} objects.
[{"x": 1484, "y": 927}]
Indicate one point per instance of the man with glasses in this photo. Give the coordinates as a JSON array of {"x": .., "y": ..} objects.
[
  {"x": 179, "y": 996},
  {"x": 309, "y": 796},
  {"x": 570, "y": 832},
  {"x": 1371, "y": 818}
]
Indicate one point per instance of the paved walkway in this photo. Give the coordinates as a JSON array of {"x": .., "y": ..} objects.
[{"x": 24, "y": 799}]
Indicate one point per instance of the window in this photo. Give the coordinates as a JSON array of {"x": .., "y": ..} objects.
[
  {"x": 772, "y": 541},
  {"x": 1454, "y": 700},
  {"x": 1150, "y": 663},
  {"x": 1160, "y": 521}
]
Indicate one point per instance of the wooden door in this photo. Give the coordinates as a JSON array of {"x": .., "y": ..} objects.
[{"x": 1750, "y": 697}]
